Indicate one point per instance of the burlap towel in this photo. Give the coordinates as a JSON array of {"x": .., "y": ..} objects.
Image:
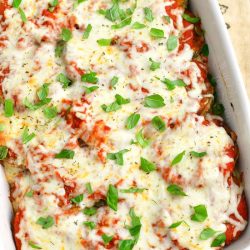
[{"x": 237, "y": 18}]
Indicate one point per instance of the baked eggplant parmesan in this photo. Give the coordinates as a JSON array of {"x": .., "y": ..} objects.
[{"x": 110, "y": 130}]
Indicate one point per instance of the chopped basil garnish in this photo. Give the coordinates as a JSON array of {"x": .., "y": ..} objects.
[
  {"x": 77, "y": 2},
  {"x": 147, "y": 166},
  {"x": 154, "y": 65},
  {"x": 190, "y": 19},
  {"x": 91, "y": 89},
  {"x": 136, "y": 225},
  {"x": 132, "y": 121},
  {"x": 37, "y": 105},
  {"x": 200, "y": 213},
  {"x": 176, "y": 190},
  {"x": 26, "y": 137},
  {"x": 117, "y": 157},
  {"x": 114, "y": 13},
  {"x": 218, "y": 109},
  {"x": 132, "y": 190},
  {"x": 167, "y": 18},
  {"x": 3, "y": 152},
  {"x": 22, "y": 14},
  {"x": 65, "y": 154},
  {"x": 16, "y": 3},
  {"x": 219, "y": 240},
  {"x": 171, "y": 85},
  {"x": 175, "y": 225},
  {"x": 90, "y": 224},
  {"x": 148, "y": 14},
  {"x": 106, "y": 238},
  {"x": 126, "y": 244},
  {"x": 114, "y": 81},
  {"x": 172, "y": 43},
  {"x": 143, "y": 142},
  {"x": 112, "y": 197},
  {"x": 158, "y": 124},
  {"x": 78, "y": 199},
  {"x": 59, "y": 48},
  {"x": 90, "y": 211},
  {"x": 66, "y": 35},
  {"x": 43, "y": 92},
  {"x": 122, "y": 24},
  {"x": 52, "y": 5},
  {"x": 50, "y": 112},
  {"x": 89, "y": 188},
  {"x": 114, "y": 106},
  {"x": 138, "y": 26},
  {"x": 64, "y": 80},
  {"x": 207, "y": 233},
  {"x": 29, "y": 193},
  {"x": 8, "y": 108},
  {"x": 157, "y": 33},
  {"x": 154, "y": 101},
  {"x": 33, "y": 245},
  {"x": 90, "y": 77},
  {"x": 121, "y": 100},
  {"x": 45, "y": 222},
  {"x": 178, "y": 158},
  {"x": 198, "y": 154},
  {"x": 205, "y": 50},
  {"x": 87, "y": 31},
  {"x": 104, "y": 42}
]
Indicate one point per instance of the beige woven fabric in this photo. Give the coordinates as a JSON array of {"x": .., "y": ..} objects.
[{"x": 237, "y": 18}]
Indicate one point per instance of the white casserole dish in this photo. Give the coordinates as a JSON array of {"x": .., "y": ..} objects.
[{"x": 232, "y": 94}]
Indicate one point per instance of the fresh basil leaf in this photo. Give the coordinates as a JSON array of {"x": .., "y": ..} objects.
[
  {"x": 120, "y": 100},
  {"x": 65, "y": 154},
  {"x": 143, "y": 142},
  {"x": 154, "y": 101},
  {"x": 219, "y": 240},
  {"x": 175, "y": 225},
  {"x": 37, "y": 105},
  {"x": 90, "y": 77},
  {"x": 91, "y": 89},
  {"x": 207, "y": 233},
  {"x": 148, "y": 14},
  {"x": 90, "y": 211},
  {"x": 16, "y": 3},
  {"x": 200, "y": 213},
  {"x": 78, "y": 199},
  {"x": 59, "y": 48},
  {"x": 132, "y": 190},
  {"x": 33, "y": 245},
  {"x": 29, "y": 193},
  {"x": 132, "y": 121},
  {"x": 198, "y": 154},
  {"x": 89, "y": 188},
  {"x": 154, "y": 65},
  {"x": 66, "y": 35},
  {"x": 114, "y": 106},
  {"x": 50, "y": 112},
  {"x": 8, "y": 108},
  {"x": 205, "y": 50},
  {"x": 26, "y": 137},
  {"x": 158, "y": 124},
  {"x": 190, "y": 19},
  {"x": 218, "y": 109},
  {"x": 104, "y": 42},
  {"x": 52, "y": 5},
  {"x": 172, "y": 43},
  {"x": 87, "y": 32},
  {"x": 112, "y": 197},
  {"x": 138, "y": 26},
  {"x": 122, "y": 24},
  {"x": 22, "y": 14},
  {"x": 136, "y": 225},
  {"x": 64, "y": 80},
  {"x": 117, "y": 157},
  {"x": 126, "y": 244},
  {"x": 171, "y": 85},
  {"x": 176, "y": 190},
  {"x": 43, "y": 92},
  {"x": 147, "y": 166},
  {"x": 106, "y": 238},
  {"x": 114, "y": 81},
  {"x": 157, "y": 33},
  {"x": 45, "y": 222},
  {"x": 3, "y": 152},
  {"x": 113, "y": 13},
  {"x": 178, "y": 158},
  {"x": 90, "y": 224}
]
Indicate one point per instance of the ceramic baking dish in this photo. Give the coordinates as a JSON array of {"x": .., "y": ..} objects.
[{"x": 232, "y": 94}]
